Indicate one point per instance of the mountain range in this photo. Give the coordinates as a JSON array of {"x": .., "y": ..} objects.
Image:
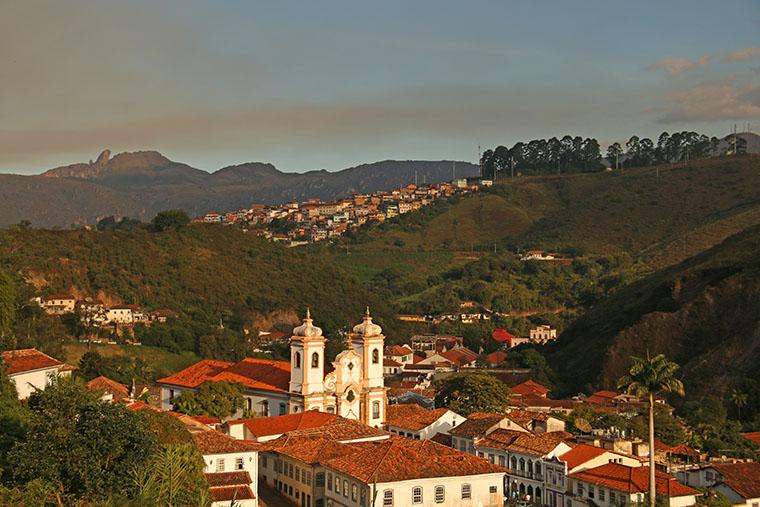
[{"x": 140, "y": 184}]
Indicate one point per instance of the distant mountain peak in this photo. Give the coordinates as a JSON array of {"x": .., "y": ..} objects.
[{"x": 125, "y": 161}]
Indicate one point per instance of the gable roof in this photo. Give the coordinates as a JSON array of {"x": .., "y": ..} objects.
[
  {"x": 633, "y": 480},
  {"x": 23, "y": 360},
  {"x": 263, "y": 374},
  {"x": 459, "y": 356},
  {"x": 107, "y": 386},
  {"x": 477, "y": 424},
  {"x": 502, "y": 335},
  {"x": 398, "y": 350},
  {"x": 497, "y": 357},
  {"x": 580, "y": 454},
  {"x": 530, "y": 387},
  {"x": 411, "y": 416},
  {"x": 752, "y": 436},
  {"x": 743, "y": 478},
  {"x": 277, "y": 425},
  {"x": 213, "y": 442},
  {"x": 401, "y": 459},
  {"x": 536, "y": 444}
]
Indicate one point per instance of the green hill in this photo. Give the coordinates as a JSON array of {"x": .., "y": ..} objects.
[{"x": 704, "y": 313}]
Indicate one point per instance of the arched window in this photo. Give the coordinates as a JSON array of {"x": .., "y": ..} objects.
[
  {"x": 375, "y": 356},
  {"x": 416, "y": 494},
  {"x": 265, "y": 408},
  {"x": 514, "y": 463},
  {"x": 440, "y": 494},
  {"x": 522, "y": 465},
  {"x": 297, "y": 359},
  {"x": 315, "y": 360},
  {"x": 350, "y": 396},
  {"x": 375, "y": 410}
]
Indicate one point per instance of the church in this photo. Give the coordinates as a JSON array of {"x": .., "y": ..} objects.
[{"x": 351, "y": 385}]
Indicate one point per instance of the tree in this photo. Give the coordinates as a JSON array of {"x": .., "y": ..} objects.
[
  {"x": 7, "y": 308},
  {"x": 466, "y": 393},
  {"x": 82, "y": 446},
  {"x": 739, "y": 399},
  {"x": 173, "y": 478},
  {"x": 170, "y": 220},
  {"x": 647, "y": 378},
  {"x": 217, "y": 399},
  {"x": 613, "y": 154}
]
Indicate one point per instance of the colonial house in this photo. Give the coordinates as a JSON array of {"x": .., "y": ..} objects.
[
  {"x": 354, "y": 389},
  {"x": 615, "y": 484},
  {"x": 413, "y": 421},
  {"x": 478, "y": 426},
  {"x": 391, "y": 367},
  {"x": 543, "y": 334},
  {"x": 738, "y": 482},
  {"x": 506, "y": 339},
  {"x": 230, "y": 467},
  {"x": 523, "y": 453},
  {"x": 120, "y": 315},
  {"x": 400, "y": 353},
  {"x": 316, "y": 471},
  {"x": 58, "y": 304},
  {"x": 31, "y": 370}
]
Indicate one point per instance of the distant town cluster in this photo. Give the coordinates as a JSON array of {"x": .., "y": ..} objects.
[{"x": 299, "y": 223}]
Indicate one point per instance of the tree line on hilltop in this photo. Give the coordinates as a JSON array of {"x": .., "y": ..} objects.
[{"x": 578, "y": 154}]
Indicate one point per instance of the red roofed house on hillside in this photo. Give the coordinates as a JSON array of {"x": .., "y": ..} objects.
[
  {"x": 496, "y": 358},
  {"x": 31, "y": 370},
  {"x": 616, "y": 484},
  {"x": 530, "y": 387},
  {"x": 507, "y": 339},
  {"x": 413, "y": 421},
  {"x": 738, "y": 482},
  {"x": 354, "y": 389}
]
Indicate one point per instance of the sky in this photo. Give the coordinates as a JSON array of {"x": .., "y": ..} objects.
[{"x": 332, "y": 84}]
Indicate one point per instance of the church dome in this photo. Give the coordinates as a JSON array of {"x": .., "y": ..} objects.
[
  {"x": 367, "y": 327},
  {"x": 307, "y": 329}
]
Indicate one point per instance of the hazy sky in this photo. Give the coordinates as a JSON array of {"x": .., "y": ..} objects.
[{"x": 329, "y": 84}]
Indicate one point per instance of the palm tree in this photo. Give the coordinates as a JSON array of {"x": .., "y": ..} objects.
[
  {"x": 739, "y": 400},
  {"x": 647, "y": 378}
]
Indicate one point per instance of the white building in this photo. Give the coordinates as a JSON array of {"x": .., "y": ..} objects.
[
  {"x": 31, "y": 370},
  {"x": 58, "y": 304},
  {"x": 230, "y": 467},
  {"x": 120, "y": 315},
  {"x": 614, "y": 484},
  {"x": 412, "y": 421},
  {"x": 543, "y": 334},
  {"x": 354, "y": 389}
]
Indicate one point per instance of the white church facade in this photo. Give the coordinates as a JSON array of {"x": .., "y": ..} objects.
[{"x": 353, "y": 387}]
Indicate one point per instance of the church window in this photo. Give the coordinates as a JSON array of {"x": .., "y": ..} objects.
[
  {"x": 331, "y": 409},
  {"x": 265, "y": 408},
  {"x": 297, "y": 360},
  {"x": 315, "y": 360},
  {"x": 350, "y": 397},
  {"x": 375, "y": 410},
  {"x": 375, "y": 356}
]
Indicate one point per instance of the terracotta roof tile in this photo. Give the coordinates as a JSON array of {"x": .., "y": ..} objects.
[
  {"x": 277, "y": 425},
  {"x": 632, "y": 480},
  {"x": 390, "y": 362},
  {"x": 213, "y": 442},
  {"x": 400, "y": 459},
  {"x": 412, "y": 416},
  {"x": 477, "y": 424},
  {"x": 23, "y": 360},
  {"x": 227, "y": 494},
  {"x": 525, "y": 443},
  {"x": 254, "y": 373},
  {"x": 219, "y": 479},
  {"x": 744, "y": 478},
  {"x": 107, "y": 386},
  {"x": 752, "y": 436},
  {"x": 497, "y": 357},
  {"x": 580, "y": 454},
  {"x": 530, "y": 387},
  {"x": 398, "y": 350}
]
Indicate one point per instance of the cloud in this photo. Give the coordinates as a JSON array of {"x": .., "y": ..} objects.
[
  {"x": 727, "y": 99},
  {"x": 673, "y": 66},
  {"x": 741, "y": 55}
]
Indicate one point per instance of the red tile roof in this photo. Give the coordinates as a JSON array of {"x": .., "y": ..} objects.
[
  {"x": 502, "y": 335},
  {"x": 460, "y": 356},
  {"x": 230, "y": 493},
  {"x": 23, "y": 360},
  {"x": 390, "y": 362},
  {"x": 412, "y": 416},
  {"x": 398, "y": 350},
  {"x": 214, "y": 442},
  {"x": 744, "y": 478},
  {"x": 263, "y": 374},
  {"x": 400, "y": 459},
  {"x": 752, "y": 436},
  {"x": 277, "y": 425},
  {"x": 580, "y": 454},
  {"x": 219, "y": 479},
  {"x": 530, "y": 387},
  {"x": 206, "y": 419},
  {"x": 633, "y": 480},
  {"x": 107, "y": 386},
  {"x": 477, "y": 424},
  {"x": 525, "y": 443},
  {"x": 497, "y": 357}
]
